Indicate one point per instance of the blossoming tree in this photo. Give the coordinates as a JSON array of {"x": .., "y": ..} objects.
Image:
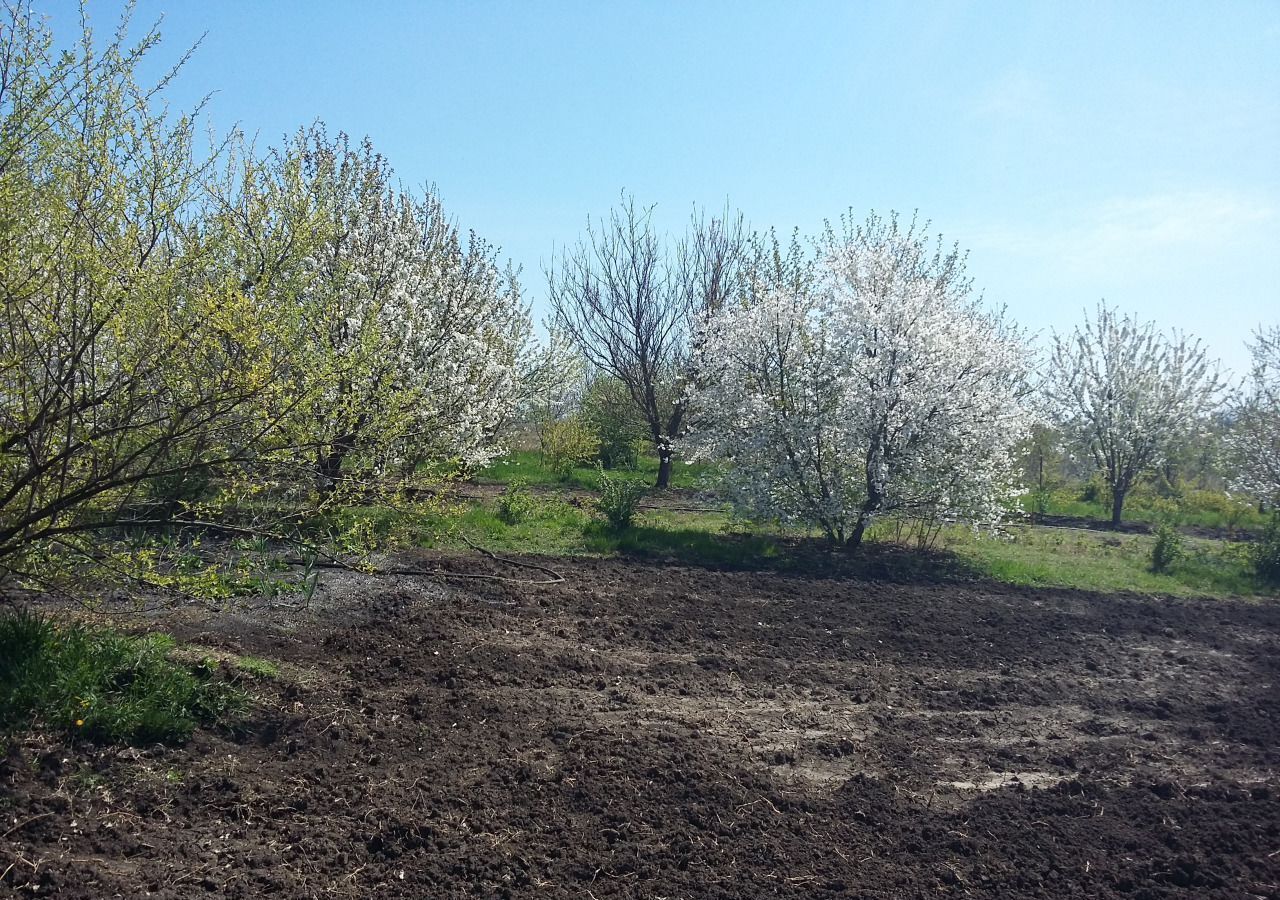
[
  {"x": 408, "y": 340},
  {"x": 882, "y": 387},
  {"x": 1128, "y": 394},
  {"x": 1254, "y": 441}
]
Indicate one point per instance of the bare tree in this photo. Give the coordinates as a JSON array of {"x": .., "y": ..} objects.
[
  {"x": 1129, "y": 394},
  {"x": 630, "y": 300}
]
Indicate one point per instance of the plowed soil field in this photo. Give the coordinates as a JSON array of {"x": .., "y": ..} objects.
[{"x": 648, "y": 731}]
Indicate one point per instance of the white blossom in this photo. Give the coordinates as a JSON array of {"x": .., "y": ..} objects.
[
  {"x": 1253, "y": 444},
  {"x": 1128, "y": 394},
  {"x": 879, "y": 388}
]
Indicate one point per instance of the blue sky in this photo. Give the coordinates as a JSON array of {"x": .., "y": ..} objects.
[{"x": 1078, "y": 150}]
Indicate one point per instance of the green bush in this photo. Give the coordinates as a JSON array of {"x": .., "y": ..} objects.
[
  {"x": 103, "y": 685},
  {"x": 567, "y": 444},
  {"x": 611, "y": 413},
  {"x": 1096, "y": 490},
  {"x": 619, "y": 499},
  {"x": 1266, "y": 552},
  {"x": 517, "y": 504},
  {"x": 1040, "y": 501},
  {"x": 1169, "y": 548}
]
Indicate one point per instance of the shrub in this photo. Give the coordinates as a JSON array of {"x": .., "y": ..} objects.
[
  {"x": 618, "y": 448},
  {"x": 1266, "y": 552},
  {"x": 1095, "y": 490},
  {"x": 1169, "y": 547},
  {"x": 171, "y": 493},
  {"x": 619, "y": 499},
  {"x": 517, "y": 504},
  {"x": 1219, "y": 507},
  {"x": 611, "y": 413},
  {"x": 1041, "y": 501},
  {"x": 103, "y": 685},
  {"x": 566, "y": 444}
]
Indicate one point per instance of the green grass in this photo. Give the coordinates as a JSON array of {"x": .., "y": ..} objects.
[
  {"x": 259, "y": 668},
  {"x": 1075, "y": 558},
  {"x": 101, "y": 685},
  {"x": 555, "y": 521},
  {"x": 1202, "y": 509},
  {"x": 526, "y": 465},
  {"x": 554, "y": 526},
  {"x": 1030, "y": 555}
]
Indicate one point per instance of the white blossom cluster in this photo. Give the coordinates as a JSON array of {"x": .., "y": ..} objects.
[
  {"x": 881, "y": 389},
  {"x": 1128, "y": 394},
  {"x": 1253, "y": 444},
  {"x": 412, "y": 340}
]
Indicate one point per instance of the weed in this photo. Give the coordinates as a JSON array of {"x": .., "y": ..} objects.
[
  {"x": 1169, "y": 548},
  {"x": 516, "y": 505},
  {"x": 1266, "y": 552},
  {"x": 619, "y": 499},
  {"x": 102, "y": 685},
  {"x": 259, "y": 668}
]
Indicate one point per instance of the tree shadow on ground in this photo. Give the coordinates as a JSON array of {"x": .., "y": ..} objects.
[{"x": 770, "y": 553}]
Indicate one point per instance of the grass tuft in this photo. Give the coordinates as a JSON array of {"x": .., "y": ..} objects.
[
  {"x": 101, "y": 685},
  {"x": 257, "y": 667}
]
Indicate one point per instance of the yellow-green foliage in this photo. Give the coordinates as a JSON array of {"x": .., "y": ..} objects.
[
  {"x": 223, "y": 340},
  {"x": 131, "y": 352},
  {"x": 568, "y": 443}
]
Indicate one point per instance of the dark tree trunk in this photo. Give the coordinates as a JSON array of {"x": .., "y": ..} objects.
[
  {"x": 329, "y": 464},
  {"x": 664, "y": 469},
  {"x": 1117, "y": 507},
  {"x": 855, "y": 537}
]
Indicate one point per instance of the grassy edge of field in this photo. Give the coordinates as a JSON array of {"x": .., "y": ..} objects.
[{"x": 560, "y": 521}]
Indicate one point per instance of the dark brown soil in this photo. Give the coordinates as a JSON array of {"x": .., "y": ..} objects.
[{"x": 645, "y": 731}]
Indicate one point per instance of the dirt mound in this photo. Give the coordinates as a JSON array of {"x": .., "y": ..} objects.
[{"x": 644, "y": 731}]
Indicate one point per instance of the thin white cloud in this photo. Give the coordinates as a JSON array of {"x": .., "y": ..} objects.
[{"x": 1126, "y": 230}]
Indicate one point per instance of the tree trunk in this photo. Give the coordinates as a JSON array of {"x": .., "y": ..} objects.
[
  {"x": 855, "y": 538},
  {"x": 1117, "y": 507},
  {"x": 329, "y": 464},
  {"x": 664, "y": 469}
]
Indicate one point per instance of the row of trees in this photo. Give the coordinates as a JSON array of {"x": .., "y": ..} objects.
[
  {"x": 222, "y": 333},
  {"x": 862, "y": 378},
  {"x": 238, "y": 338}
]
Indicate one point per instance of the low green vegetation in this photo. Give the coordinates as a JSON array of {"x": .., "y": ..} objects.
[
  {"x": 1102, "y": 561},
  {"x": 619, "y": 499},
  {"x": 529, "y": 467},
  {"x": 1195, "y": 508},
  {"x": 101, "y": 685},
  {"x": 1265, "y": 554},
  {"x": 258, "y": 667},
  {"x": 1169, "y": 548},
  {"x": 555, "y": 521}
]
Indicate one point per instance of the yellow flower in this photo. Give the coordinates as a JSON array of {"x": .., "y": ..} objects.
[{"x": 79, "y": 722}]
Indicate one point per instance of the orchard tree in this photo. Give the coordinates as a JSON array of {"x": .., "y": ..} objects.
[
  {"x": 878, "y": 387},
  {"x": 408, "y": 340},
  {"x": 630, "y": 301},
  {"x": 1254, "y": 440},
  {"x": 1129, "y": 394},
  {"x": 127, "y": 358}
]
